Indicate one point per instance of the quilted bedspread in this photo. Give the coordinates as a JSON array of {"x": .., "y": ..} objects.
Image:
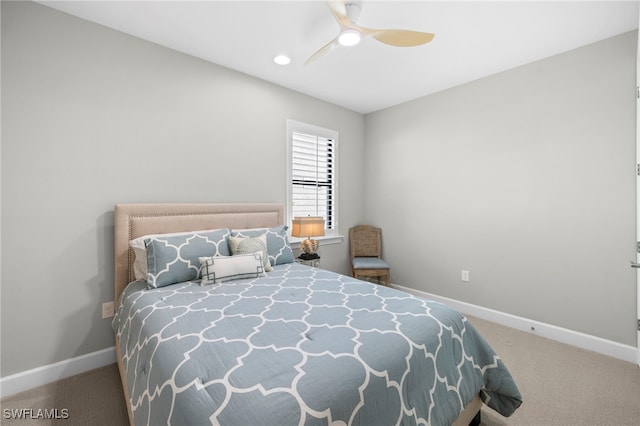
[{"x": 302, "y": 346}]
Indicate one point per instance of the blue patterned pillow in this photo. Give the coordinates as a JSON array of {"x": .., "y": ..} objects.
[
  {"x": 175, "y": 259},
  {"x": 277, "y": 242}
]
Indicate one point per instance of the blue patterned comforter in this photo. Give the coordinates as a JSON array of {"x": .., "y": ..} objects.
[{"x": 302, "y": 346}]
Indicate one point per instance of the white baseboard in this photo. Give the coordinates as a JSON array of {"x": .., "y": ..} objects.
[
  {"x": 559, "y": 334},
  {"x": 19, "y": 382}
]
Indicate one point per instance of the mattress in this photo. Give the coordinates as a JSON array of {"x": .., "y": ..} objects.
[{"x": 302, "y": 346}]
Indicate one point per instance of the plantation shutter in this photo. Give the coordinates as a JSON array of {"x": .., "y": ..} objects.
[{"x": 312, "y": 177}]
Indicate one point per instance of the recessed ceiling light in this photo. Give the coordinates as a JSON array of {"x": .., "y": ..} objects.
[
  {"x": 282, "y": 60},
  {"x": 349, "y": 37}
]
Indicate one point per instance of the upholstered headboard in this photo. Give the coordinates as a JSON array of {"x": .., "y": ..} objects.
[{"x": 136, "y": 220}]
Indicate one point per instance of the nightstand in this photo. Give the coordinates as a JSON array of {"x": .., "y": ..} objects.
[{"x": 309, "y": 262}]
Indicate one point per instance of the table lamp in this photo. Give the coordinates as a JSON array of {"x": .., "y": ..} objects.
[{"x": 310, "y": 226}]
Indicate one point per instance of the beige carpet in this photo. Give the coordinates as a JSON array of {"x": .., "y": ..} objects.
[
  {"x": 92, "y": 398},
  {"x": 561, "y": 385}
]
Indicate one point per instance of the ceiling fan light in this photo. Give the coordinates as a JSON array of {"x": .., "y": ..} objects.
[{"x": 349, "y": 37}]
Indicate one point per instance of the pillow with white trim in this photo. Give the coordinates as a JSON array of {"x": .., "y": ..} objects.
[
  {"x": 241, "y": 245},
  {"x": 277, "y": 242},
  {"x": 140, "y": 251},
  {"x": 175, "y": 258},
  {"x": 218, "y": 269}
]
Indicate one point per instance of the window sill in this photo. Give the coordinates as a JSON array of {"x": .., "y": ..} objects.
[{"x": 326, "y": 240}]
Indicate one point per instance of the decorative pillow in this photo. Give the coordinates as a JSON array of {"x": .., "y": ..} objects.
[
  {"x": 277, "y": 242},
  {"x": 175, "y": 258},
  {"x": 140, "y": 262},
  {"x": 218, "y": 269},
  {"x": 240, "y": 245},
  {"x": 140, "y": 251}
]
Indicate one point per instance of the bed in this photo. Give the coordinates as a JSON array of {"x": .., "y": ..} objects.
[{"x": 277, "y": 342}]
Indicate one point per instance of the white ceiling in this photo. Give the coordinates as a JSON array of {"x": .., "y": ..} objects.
[{"x": 473, "y": 39}]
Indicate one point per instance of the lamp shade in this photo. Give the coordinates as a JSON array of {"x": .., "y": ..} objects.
[{"x": 310, "y": 226}]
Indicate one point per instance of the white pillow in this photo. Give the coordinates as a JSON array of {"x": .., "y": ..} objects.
[
  {"x": 140, "y": 262},
  {"x": 218, "y": 269},
  {"x": 246, "y": 245}
]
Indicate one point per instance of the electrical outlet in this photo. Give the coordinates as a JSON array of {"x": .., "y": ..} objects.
[
  {"x": 464, "y": 276},
  {"x": 108, "y": 310}
]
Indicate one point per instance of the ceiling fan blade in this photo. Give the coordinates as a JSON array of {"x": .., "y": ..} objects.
[
  {"x": 339, "y": 11},
  {"x": 400, "y": 38},
  {"x": 323, "y": 50}
]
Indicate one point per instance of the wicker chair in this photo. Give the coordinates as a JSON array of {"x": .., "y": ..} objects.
[{"x": 365, "y": 244}]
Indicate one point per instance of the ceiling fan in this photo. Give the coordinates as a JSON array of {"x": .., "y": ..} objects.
[{"x": 347, "y": 13}]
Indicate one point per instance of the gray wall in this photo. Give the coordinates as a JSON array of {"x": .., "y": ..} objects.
[
  {"x": 92, "y": 117},
  {"x": 526, "y": 179}
]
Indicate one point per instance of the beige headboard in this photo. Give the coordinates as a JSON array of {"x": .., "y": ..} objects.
[{"x": 135, "y": 220}]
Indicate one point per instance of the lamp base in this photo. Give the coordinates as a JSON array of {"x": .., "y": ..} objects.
[
  {"x": 309, "y": 256},
  {"x": 309, "y": 246}
]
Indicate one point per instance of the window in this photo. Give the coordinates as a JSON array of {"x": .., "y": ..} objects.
[{"x": 312, "y": 183}]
